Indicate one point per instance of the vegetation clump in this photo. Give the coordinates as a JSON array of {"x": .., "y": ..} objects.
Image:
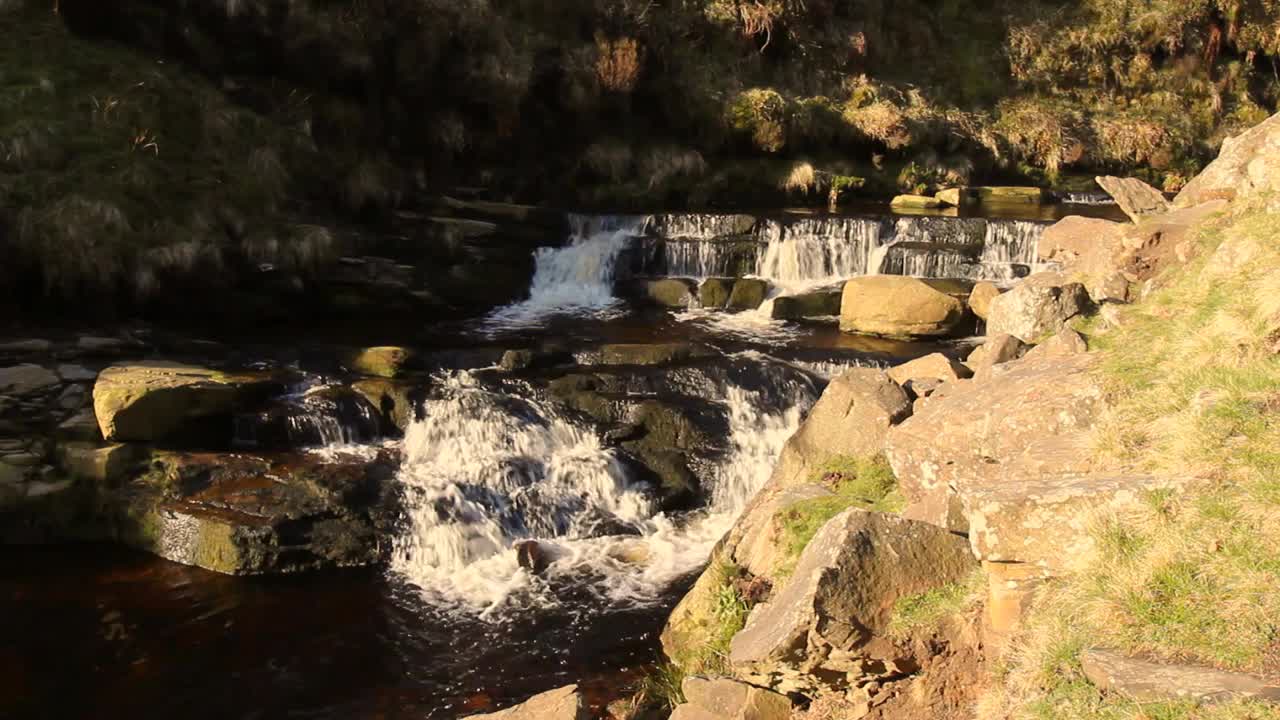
[{"x": 866, "y": 483}]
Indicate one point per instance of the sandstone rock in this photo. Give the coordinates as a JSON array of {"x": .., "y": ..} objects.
[
  {"x": 564, "y": 703},
  {"x": 1137, "y": 199},
  {"x": 820, "y": 304},
  {"x": 936, "y": 366},
  {"x": 1145, "y": 681},
  {"x": 155, "y": 400},
  {"x": 852, "y": 418},
  {"x": 916, "y": 202},
  {"x": 1066, "y": 342},
  {"x": 714, "y": 292},
  {"x": 955, "y": 197},
  {"x": 670, "y": 293},
  {"x": 26, "y": 379},
  {"x": 1247, "y": 164},
  {"x": 384, "y": 362},
  {"x": 689, "y": 711},
  {"x": 828, "y": 623},
  {"x": 1036, "y": 307},
  {"x": 729, "y": 699},
  {"x": 1026, "y": 420},
  {"x": 748, "y": 294},
  {"x": 1045, "y": 520},
  {"x": 897, "y": 307},
  {"x": 980, "y": 298},
  {"x": 996, "y": 350},
  {"x": 104, "y": 465},
  {"x": 1074, "y": 238}
]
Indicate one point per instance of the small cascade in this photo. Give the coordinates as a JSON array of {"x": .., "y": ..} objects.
[
  {"x": 1094, "y": 197},
  {"x": 311, "y": 417},
  {"x": 485, "y": 470},
  {"x": 704, "y": 259},
  {"x": 701, "y": 226},
  {"x": 576, "y": 279},
  {"x": 818, "y": 251}
]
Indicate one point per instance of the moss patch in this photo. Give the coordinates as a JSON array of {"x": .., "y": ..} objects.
[
  {"x": 867, "y": 483},
  {"x": 927, "y": 609}
]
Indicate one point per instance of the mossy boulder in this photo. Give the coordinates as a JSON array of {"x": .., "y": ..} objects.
[
  {"x": 156, "y": 400},
  {"x": 1008, "y": 195},
  {"x": 894, "y": 306},
  {"x": 823, "y": 303},
  {"x": 670, "y": 292},
  {"x": 398, "y": 401},
  {"x": 748, "y": 294},
  {"x": 714, "y": 292}
]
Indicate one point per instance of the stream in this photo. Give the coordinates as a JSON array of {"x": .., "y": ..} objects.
[{"x": 455, "y": 623}]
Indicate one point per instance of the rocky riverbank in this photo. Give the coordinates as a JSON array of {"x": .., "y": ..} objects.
[{"x": 1012, "y": 494}]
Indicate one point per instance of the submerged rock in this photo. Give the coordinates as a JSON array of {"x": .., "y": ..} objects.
[
  {"x": 896, "y": 306},
  {"x": 827, "y": 629},
  {"x": 917, "y": 202}
]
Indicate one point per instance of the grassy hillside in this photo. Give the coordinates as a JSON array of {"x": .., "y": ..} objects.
[{"x": 1192, "y": 576}]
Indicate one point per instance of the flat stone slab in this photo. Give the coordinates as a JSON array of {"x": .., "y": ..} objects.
[
  {"x": 1046, "y": 521},
  {"x": 564, "y": 703},
  {"x": 1147, "y": 681},
  {"x": 728, "y": 699}
]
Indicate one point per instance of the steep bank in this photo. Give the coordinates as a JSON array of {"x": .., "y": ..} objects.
[{"x": 1114, "y": 485}]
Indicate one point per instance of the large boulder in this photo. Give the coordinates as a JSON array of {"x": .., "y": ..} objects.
[
  {"x": 156, "y": 400},
  {"x": 714, "y": 292},
  {"x": 1137, "y": 199},
  {"x": 1247, "y": 164},
  {"x": 852, "y": 418},
  {"x": 1146, "y": 681},
  {"x": 827, "y": 628},
  {"x": 896, "y": 306},
  {"x": 1038, "y": 306},
  {"x": 1026, "y": 419},
  {"x": 564, "y": 703}
]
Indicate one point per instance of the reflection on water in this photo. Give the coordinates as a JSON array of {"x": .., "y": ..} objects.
[{"x": 94, "y": 632}]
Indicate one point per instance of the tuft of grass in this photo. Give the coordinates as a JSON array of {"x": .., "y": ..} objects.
[
  {"x": 661, "y": 687},
  {"x": 927, "y": 609},
  {"x": 867, "y": 483}
]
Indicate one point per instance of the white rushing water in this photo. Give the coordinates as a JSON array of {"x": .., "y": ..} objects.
[
  {"x": 576, "y": 279},
  {"x": 483, "y": 472}
]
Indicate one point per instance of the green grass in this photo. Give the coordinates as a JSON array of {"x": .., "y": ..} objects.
[
  {"x": 866, "y": 483},
  {"x": 927, "y": 609}
]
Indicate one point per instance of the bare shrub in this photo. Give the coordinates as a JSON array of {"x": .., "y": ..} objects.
[
  {"x": 665, "y": 163},
  {"x": 618, "y": 63},
  {"x": 609, "y": 159}
]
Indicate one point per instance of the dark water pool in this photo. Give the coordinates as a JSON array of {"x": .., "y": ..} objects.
[{"x": 99, "y": 632}]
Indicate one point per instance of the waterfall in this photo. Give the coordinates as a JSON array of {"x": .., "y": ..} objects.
[
  {"x": 702, "y": 259},
  {"x": 484, "y": 470},
  {"x": 1096, "y": 197},
  {"x": 314, "y": 415},
  {"x": 576, "y": 279},
  {"x": 818, "y": 251}
]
